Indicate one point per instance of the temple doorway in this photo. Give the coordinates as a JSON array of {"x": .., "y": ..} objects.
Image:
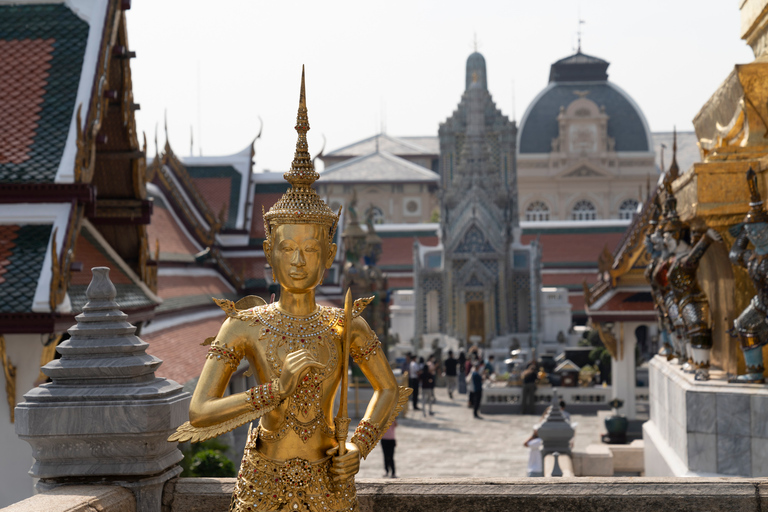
[{"x": 476, "y": 322}]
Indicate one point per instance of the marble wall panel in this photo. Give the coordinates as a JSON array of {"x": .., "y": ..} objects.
[
  {"x": 733, "y": 455},
  {"x": 733, "y": 416},
  {"x": 759, "y": 454},
  {"x": 701, "y": 412},
  {"x": 759, "y": 416},
  {"x": 702, "y": 452}
]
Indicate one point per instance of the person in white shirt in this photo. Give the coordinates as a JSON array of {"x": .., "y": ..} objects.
[{"x": 535, "y": 464}]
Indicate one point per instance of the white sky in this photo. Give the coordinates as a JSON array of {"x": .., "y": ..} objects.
[{"x": 219, "y": 65}]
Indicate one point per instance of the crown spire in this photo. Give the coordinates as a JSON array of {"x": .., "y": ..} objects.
[
  {"x": 674, "y": 170},
  {"x": 301, "y": 204},
  {"x": 302, "y": 171}
]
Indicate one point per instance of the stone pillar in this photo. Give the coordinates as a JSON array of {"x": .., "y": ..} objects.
[
  {"x": 555, "y": 432},
  {"x": 105, "y": 417},
  {"x": 623, "y": 367}
]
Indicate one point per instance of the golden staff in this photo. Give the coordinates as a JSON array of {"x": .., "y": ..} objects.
[{"x": 341, "y": 421}]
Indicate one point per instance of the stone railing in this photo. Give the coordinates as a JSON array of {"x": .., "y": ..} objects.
[
  {"x": 509, "y": 399},
  {"x": 455, "y": 495}
]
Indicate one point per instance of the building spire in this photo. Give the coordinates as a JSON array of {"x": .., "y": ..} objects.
[
  {"x": 674, "y": 170},
  {"x": 578, "y": 32}
]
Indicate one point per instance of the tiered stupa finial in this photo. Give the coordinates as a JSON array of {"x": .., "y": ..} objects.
[{"x": 301, "y": 204}]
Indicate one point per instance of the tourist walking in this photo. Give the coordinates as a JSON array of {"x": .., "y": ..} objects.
[
  {"x": 535, "y": 463},
  {"x": 388, "y": 447},
  {"x": 450, "y": 373},
  {"x": 529, "y": 389},
  {"x": 428, "y": 387},
  {"x": 413, "y": 380},
  {"x": 462, "y": 373},
  {"x": 475, "y": 383}
]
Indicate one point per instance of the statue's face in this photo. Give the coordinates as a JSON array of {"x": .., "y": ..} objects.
[
  {"x": 657, "y": 240},
  {"x": 300, "y": 253},
  {"x": 670, "y": 241},
  {"x": 758, "y": 235}
]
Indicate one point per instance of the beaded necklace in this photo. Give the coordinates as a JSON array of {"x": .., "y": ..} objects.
[{"x": 314, "y": 333}]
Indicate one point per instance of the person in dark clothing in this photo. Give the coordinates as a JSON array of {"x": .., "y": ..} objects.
[
  {"x": 388, "y": 447},
  {"x": 413, "y": 380},
  {"x": 462, "y": 373},
  {"x": 451, "y": 376},
  {"x": 476, "y": 383},
  {"x": 427, "y": 379},
  {"x": 529, "y": 389}
]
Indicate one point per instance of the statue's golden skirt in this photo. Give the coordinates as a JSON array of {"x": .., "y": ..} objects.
[{"x": 266, "y": 485}]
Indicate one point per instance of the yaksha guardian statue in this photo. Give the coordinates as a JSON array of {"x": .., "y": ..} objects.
[
  {"x": 654, "y": 246},
  {"x": 751, "y": 325},
  {"x": 692, "y": 302},
  {"x": 297, "y": 459}
]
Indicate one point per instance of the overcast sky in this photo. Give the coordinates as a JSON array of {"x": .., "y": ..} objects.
[{"x": 219, "y": 66}]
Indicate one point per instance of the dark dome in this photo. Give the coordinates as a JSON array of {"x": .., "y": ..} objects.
[
  {"x": 476, "y": 64},
  {"x": 579, "y": 68},
  {"x": 579, "y": 72}
]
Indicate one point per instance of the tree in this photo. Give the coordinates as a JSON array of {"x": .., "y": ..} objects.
[
  {"x": 599, "y": 354},
  {"x": 206, "y": 459}
]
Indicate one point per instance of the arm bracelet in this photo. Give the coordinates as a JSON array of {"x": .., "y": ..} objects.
[
  {"x": 265, "y": 397},
  {"x": 366, "y": 436},
  {"x": 225, "y": 355}
]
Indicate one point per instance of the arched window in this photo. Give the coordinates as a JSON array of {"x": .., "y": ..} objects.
[
  {"x": 537, "y": 210},
  {"x": 378, "y": 215},
  {"x": 628, "y": 208},
  {"x": 584, "y": 210}
]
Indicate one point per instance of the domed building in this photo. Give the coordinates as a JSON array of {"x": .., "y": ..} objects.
[{"x": 584, "y": 147}]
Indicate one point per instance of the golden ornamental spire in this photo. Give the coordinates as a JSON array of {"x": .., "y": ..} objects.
[{"x": 301, "y": 204}]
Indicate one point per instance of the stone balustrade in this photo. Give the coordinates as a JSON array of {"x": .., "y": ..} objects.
[{"x": 450, "y": 495}]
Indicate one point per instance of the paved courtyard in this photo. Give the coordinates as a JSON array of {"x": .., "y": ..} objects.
[{"x": 454, "y": 444}]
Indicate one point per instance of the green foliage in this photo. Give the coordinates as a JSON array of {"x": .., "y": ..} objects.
[
  {"x": 598, "y": 354},
  {"x": 206, "y": 459}
]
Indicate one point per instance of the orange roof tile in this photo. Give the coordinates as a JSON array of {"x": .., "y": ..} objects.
[
  {"x": 574, "y": 247},
  {"x": 165, "y": 229},
  {"x": 91, "y": 256},
  {"x": 23, "y": 77},
  {"x": 178, "y": 286},
  {"x": 179, "y": 348},
  {"x": 216, "y": 192}
]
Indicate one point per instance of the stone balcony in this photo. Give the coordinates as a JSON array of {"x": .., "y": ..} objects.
[{"x": 450, "y": 495}]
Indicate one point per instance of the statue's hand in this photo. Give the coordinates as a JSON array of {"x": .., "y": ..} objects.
[
  {"x": 345, "y": 466},
  {"x": 714, "y": 235},
  {"x": 295, "y": 365}
]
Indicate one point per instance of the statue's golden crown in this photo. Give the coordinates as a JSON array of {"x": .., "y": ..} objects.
[{"x": 301, "y": 204}]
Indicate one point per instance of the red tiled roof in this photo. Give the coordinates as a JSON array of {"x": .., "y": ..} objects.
[
  {"x": 400, "y": 282},
  {"x": 216, "y": 193},
  {"x": 577, "y": 302},
  {"x": 399, "y": 250},
  {"x": 251, "y": 267},
  {"x": 575, "y": 278},
  {"x": 23, "y": 77},
  {"x": 8, "y": 233},
  {"x": 179, "y": 348},
  {"x": 91, "y": 256},
  {"x": 165, "y": 229},
  {"x": 574, "y": 247},
  {"x": 619, "y": 302},
  {"x": 178, "y": 286}
]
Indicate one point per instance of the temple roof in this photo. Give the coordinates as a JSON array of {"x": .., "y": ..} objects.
[
  {"x": 389, "y": 144},
  {"x": 377, "y": 167},
  {"x": 43, "y": 48},
  {"x": 22, "y": 251}
]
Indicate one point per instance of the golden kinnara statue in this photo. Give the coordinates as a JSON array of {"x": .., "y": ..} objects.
[{"x": 298, "y": 458}]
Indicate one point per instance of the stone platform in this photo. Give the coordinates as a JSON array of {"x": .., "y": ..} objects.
[
  {"x": 455, "y": 495},
  {"x": 709, "y": 428}
]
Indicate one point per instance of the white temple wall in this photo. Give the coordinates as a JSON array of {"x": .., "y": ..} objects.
[{"x": 24, "y": 351}]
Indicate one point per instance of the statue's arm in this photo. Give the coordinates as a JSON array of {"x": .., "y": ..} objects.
[
  {"x": 368, "y": 353},
  {"x": 739, "y": 254},
  {"x": 209, "y": 406}
]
